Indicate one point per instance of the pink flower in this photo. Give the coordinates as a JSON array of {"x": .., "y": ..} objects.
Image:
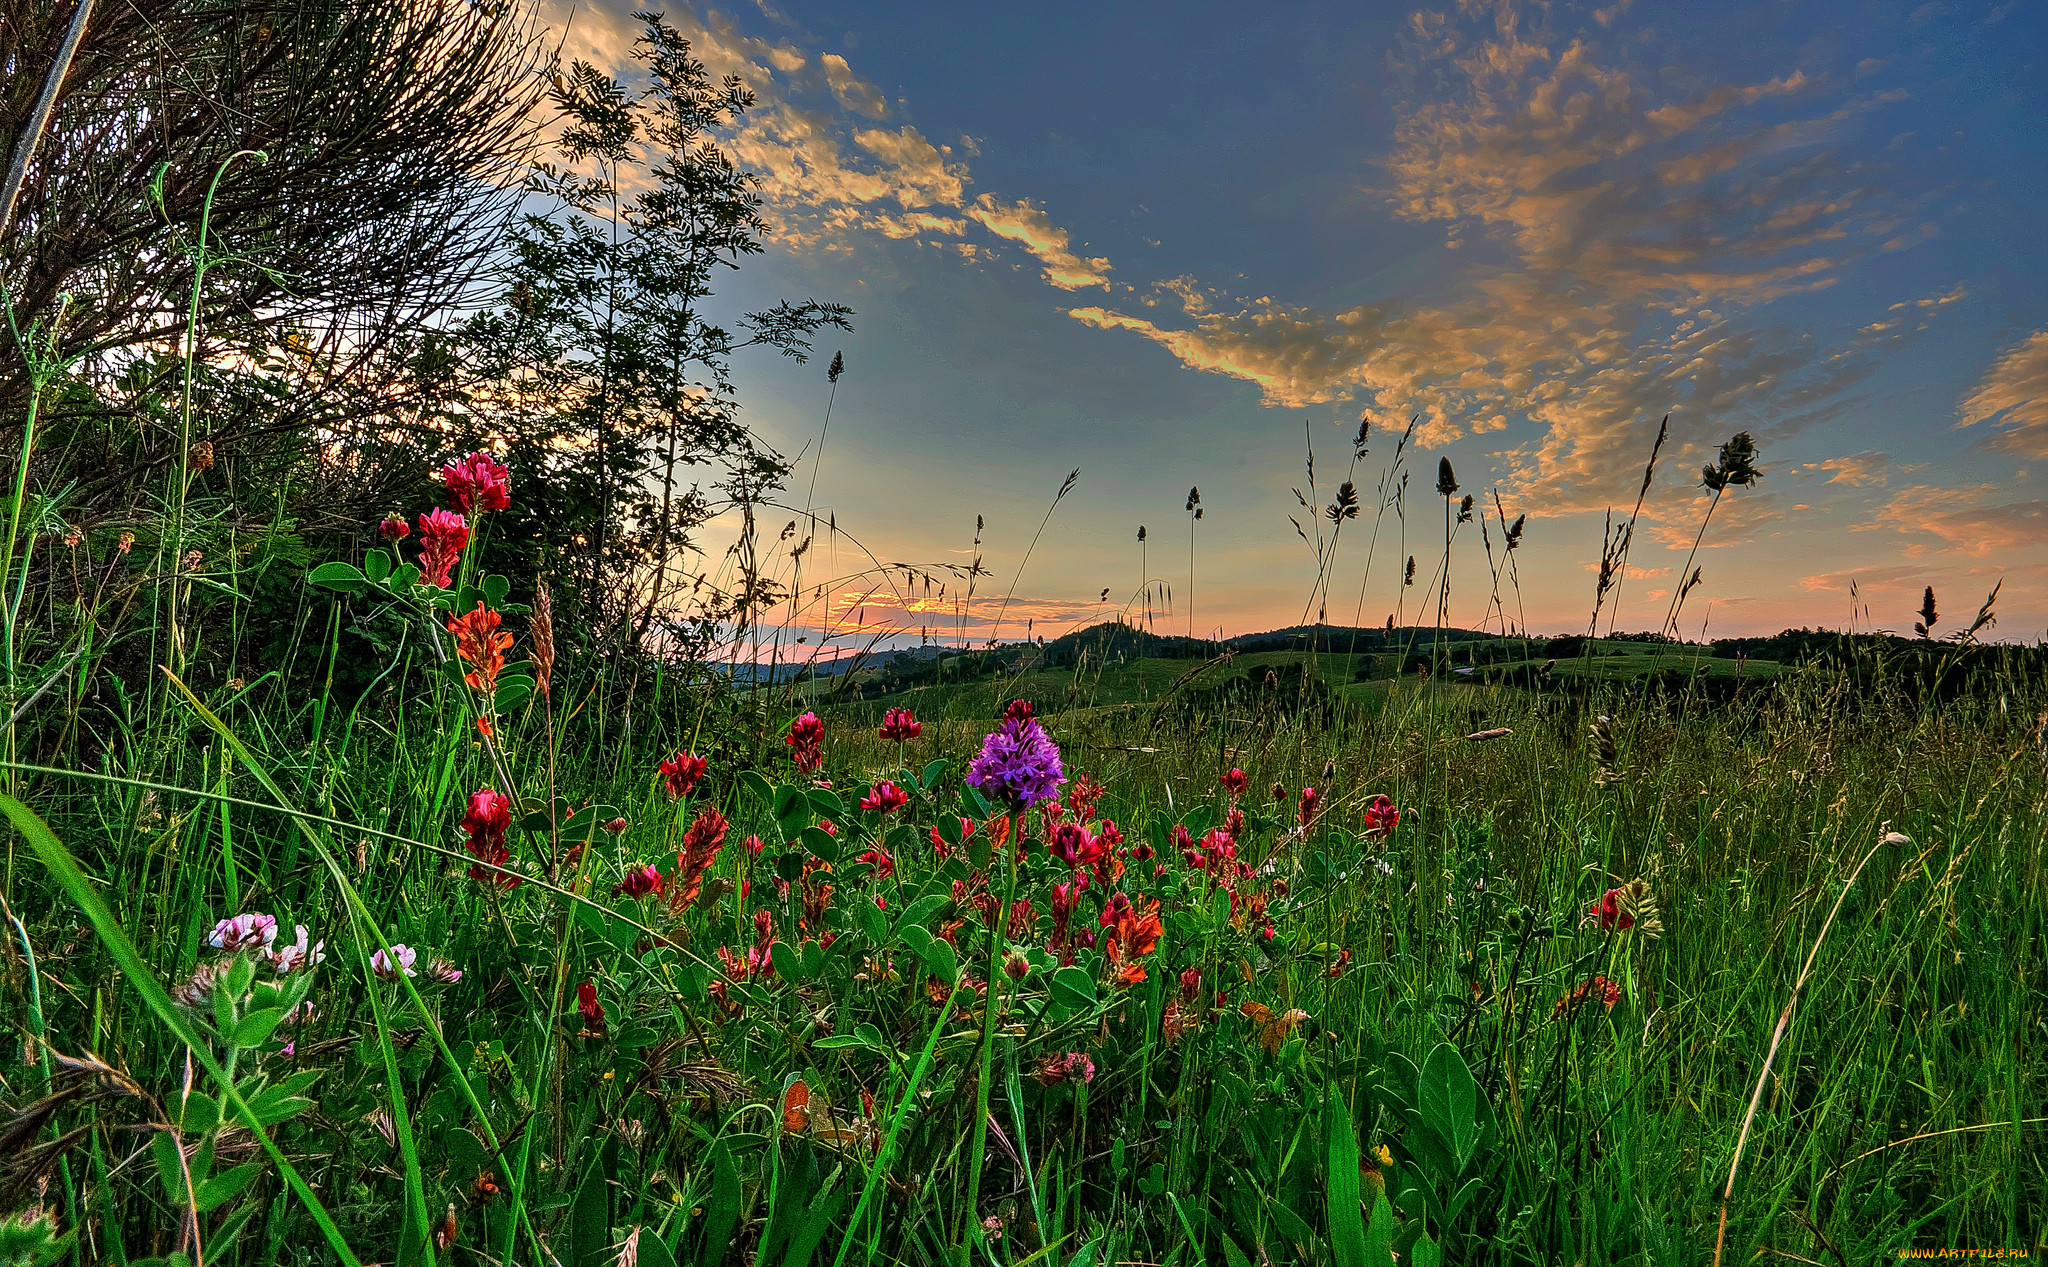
[
  {"x": 885, "y": 866},
  {"x": 394, "y": 528},
  {"x": 1235, "y": 781},
  {"x": 617, "y": 826},
  {"x": 681, "y": 773},
  {"x": 754, "y": 846},
  {"x": 392, "y": 964},
  {"x": 443, "y": 535},
  {"x": 297, "y": 956},
  {"x": 640, "y": 881},
  {"x": 899, "y": 725},
  {"x": 1612, "y": 913},
  {"x": 1074, "y": 1066},
  {"x": 886, "y": 797},
  {"x": 1381, "y": 817},
  {"x": 806, "y": 742},
  {"x": 253, "y": 930},
  {"x": 1305, "y": 809},
  {"x": 477, "y": 482},
  {"x": 1071, "y": 844},
  {"x": 488, "y": 818}
]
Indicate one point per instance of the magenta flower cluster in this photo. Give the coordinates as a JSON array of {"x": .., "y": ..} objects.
[{"x": 1018, "y": 765}]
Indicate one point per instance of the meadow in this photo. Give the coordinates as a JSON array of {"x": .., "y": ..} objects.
[
  {"x": 408, "y": 863},
  {"x": 1460, "y": 972}
]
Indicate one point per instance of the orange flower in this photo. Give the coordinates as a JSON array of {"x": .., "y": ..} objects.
[{"x": 480, "y": 643}]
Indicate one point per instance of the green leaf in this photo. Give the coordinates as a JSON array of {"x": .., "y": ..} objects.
[
  {"x": 722, "y": 1211},
  {"x": 1449, "y": 1102},
  {"x": 254, "y": 1029},
  {"x": 337, "y": 575},
  {"x": 941, "y": 960},
  {"x": 226, "y": 1185},
  {"x": 787, "y": 965},
  {"x": 822, "y": 844},
  {"x": 496, "y": 590},
  {"x": 949, "y": 830},
  {"x": 1379, "y": 1235},
  {"x": 874, "y": 924},
  {"x": 1340, "y": 1142},
  {"x": 826, "y": 802},
  {"x": 924, "y": 908},
  {"x": 1219, "y": 908},
  {"x": 1426, "y": 1252},
  {"x": 376, "y": 566},
  {"x": 933, "y": 772},
  {"x": 839, "y": 1042},
  {"x": 759, "y": 786},
  {"x": 590, "y": 1220},
  {"x": 1073, "y": 987}
]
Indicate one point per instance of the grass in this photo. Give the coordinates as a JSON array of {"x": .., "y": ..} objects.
[{"x": 1411, "y": 1020}]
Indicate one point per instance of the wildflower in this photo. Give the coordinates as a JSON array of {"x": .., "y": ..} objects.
[
  {"x": 681, "y": 772},
  {"x": 1190, "y": 984},
  {"x": 487, "y": 819},
  {"x": 1071, "y": 844},
  {"x": 1381, "y": 817},
  {"x": 442, "y": 971},
  {"x": 1343, "y": 961},
  {"x": 754, "y": 846},
  {"x": 1017, "y": 761},
  {"x": 1016, "y": 967},
  {"x": 1632, "y": 905},
  {"x": 701, "y": 843},
  {"x": 1607, "y": 991},
  {"x": 899, "y": 725},
  {"x": 124, "y": 543},
  {"x": 477, "y": 483},
  {"x": 1073, "y": 1066},
  {"x": 885, "y": 797},
  {"x": 394, "y": 528},
  {"x": 443, "y": 535},
  {"x": 252, "y": 930},
  {"x": 196, "y": 992},
  {"x": 806, "y": 742},
  {"x": 587, "y": 1004},
  {"x": 390, "y": 964},
  {"x": 616, "y": 827},
  {"x": 1279, "y": 793},
  {"x": 297, "y": 956},
  {"x": 639, "y": 881},
  {"x": 480, "y": 642},
  {"x": 939, "y": 842},
  {"x": 1235, "y": 781},
  {"x": 1305, "y": 809},
  {"x": 884, "y": 865}
]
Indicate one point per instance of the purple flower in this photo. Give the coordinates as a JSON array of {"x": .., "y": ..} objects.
[
  {"x": 252, "y": 930},
  {"x": 1018, "y": 764}
]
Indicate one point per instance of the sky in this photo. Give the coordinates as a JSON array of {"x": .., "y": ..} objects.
[{"x": 1177, "y": 246}]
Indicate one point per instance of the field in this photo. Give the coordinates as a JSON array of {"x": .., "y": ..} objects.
[
  {"x": 1587, "y": 971},
  {"x": 413, "y": 857}
]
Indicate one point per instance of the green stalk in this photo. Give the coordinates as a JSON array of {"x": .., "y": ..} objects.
[{"x": 989, "y": 1009}]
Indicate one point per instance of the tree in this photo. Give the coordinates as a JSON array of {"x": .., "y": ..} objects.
[{"x": 598, "y": 370}]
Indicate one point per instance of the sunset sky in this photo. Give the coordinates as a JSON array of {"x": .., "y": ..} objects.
[{"x": 1164, "y": 243}]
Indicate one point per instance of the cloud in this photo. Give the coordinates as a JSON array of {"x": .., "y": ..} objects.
[
  {"x": 2014, "y": 394},
  {"x": 1856, "y": 470},
  {"x": 1031, "y": 227},
  {"x": 1621, "y": 246},
  {"x": 853, "y": 92}
]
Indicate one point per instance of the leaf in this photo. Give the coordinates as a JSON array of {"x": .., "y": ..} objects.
[
  {"x": 822, "y": 844},
  {"x": 1379, "y": 1235},
  {"x": 933, "y": 772},
  {"x": 722, "y": 1211},
  {"x": 941, "y": 960},
  {"x": 1073, "y": 987},
  {"x": 590, "y": 1220},
  {"x": 255, "y": 1029},
  {"x": 874, "y": 925},
  {"x": 753, "y": 781},
  {"x": 923, "y": 909},
  {"x": 226, "y": 1185},
  {"x": 337, "y": 575},
  {"x": 1449, "y": 1102},
  {"x": 1340, "y": 1143},
  {"x": 787, "y": 965},
  {"x": 376, "y": 566},
  {"x": 826, "y": 802},
  {"x": 496, "y": 590}
]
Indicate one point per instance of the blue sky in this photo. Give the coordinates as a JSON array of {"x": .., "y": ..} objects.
[{"x": 1167, "y": 243}]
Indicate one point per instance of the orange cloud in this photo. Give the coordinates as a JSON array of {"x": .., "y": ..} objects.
[{"x": 2014, "y": 394}]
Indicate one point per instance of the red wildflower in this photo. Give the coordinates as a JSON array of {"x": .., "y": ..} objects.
[
  {"x": 899, "y": 725},
  {"x": 806, "y": 742},
  {"x": 1190, "y": 984},
  {"x": 681, "y": 773},
  {"x": 1381, "y": 817},
  {"x": 1019, "y": 710},
  {"x": 754, "y": 846},
  {"x": 1613, "y": 913},
  {"x": 487, "y": 819},
  {"x": 640, "y": 881},
  {"x": 443, "y": 535},
  {"x": 587, "y": 1004},
  {"x": 939, "y": 844},
  {"x": 1083, "y": 793},
  {"x": 1071, "y": 844},
  {"x": 1343, "y": 961},
  {"x": 701, "y": 843},
  {"x": 1607, "y": 991},
  {"x": 477, "y": 483},
  {"x": 885, "y": 797},
  {"x": 394, "y": 528},
  {"x": 885, "y": 866},
  {"x": 1305, "y": 809},
  {"x": 1235, "y": 781},
  {"x": 1279, "y": 792},
  {"x": 480, "y": 642}
]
